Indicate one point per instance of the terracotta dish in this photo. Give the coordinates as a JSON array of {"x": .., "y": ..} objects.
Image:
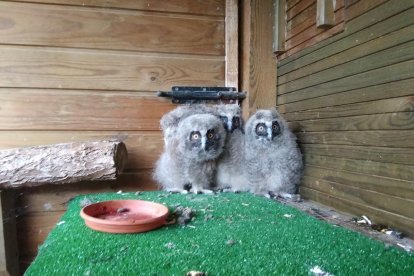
[{"x": 124, "y": 216}]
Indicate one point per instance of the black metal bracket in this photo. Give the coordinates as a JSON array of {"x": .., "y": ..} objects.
[{"x": 197, "y": 94}]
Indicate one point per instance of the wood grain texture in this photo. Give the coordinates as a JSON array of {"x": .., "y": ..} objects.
[
  {"x": 232, "y": 44},
  {"x": 380, "y": 14},
  {"x": 378, "y": 76},
  {"x": 298, "y": 8},
  {"x": 377, "y": 154},
  {"x": 62, "y": 163},
  {"x": 32, "y": 231},
  {"x": 279, "y": 28},
  {"x": 379, "y": 216},
  {"x": 313, "y": 40},
  {"x": 312, "y": 32},
  {"x": 71, "y": 110},
  {"x": 349, "y": 100},
  {"x": 245, "y": 53},
  {"x": 144, "y": 147},
  {"x": 361, "y": 7},
  {"x": 401, "y": 88},
  {"x": 375, "y": 199},
  {"x": 403, "y": 104},
  {"x": 9, "y": 262},
  {"x": 77, "y": 27},
  {"x": 325, "y": 14},
  {"x": 55, "y": 199},
  {"x": 391, "y": 170},
  {"x": 301, "y": 22},
  {"x": 40, "y": 67},
  {"x": 380, "y": 138},
  {"x": 40, "y": 208},
  {"x": 262, "y": 65},
  {"x": 368, "y": 62},
  {"x": 206, "y": 7},
  {"x": 405, "y": 34},
  {"x": 385, "y": 185},
  {"x": 348, "y": 40},
  {"x": 86, "y": 69},
  {"x": 385, "y": 121},
  {"x": 291, "y": 3}
]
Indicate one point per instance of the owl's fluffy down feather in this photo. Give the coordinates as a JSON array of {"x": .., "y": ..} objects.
[
  {"x": 230, "y": 169},
  {"x": 169, "y": 122},
  {"x": 188, "y": 161},
  {"x": 273, "y": 162}
]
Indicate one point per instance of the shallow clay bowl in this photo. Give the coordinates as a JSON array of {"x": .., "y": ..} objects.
[{"x": 124, "y": 216}]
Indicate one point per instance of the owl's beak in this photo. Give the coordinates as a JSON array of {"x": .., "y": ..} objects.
[
  {"x": 203, "y": 142},
  {"x": 229, "y": 125},
  {"x": 269, "y": 134}
]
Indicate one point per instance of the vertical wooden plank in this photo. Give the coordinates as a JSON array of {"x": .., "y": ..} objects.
[
  {"x": 8, "y": 239},
  {"x": 325, "y": 13},
  {"x": 245, "y": 27},
  {"x": 262, "y": 90},
  {"x": 232, "y": 45},
  {"x": 279, "y": 28}
]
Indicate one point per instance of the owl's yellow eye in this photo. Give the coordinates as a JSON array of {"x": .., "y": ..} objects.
[
  {"x": 260, "y": 128},
  {"x": 210, "y": 136},
  {"x": 274, "y": 127},
  {"x": 195, "y": 136}
]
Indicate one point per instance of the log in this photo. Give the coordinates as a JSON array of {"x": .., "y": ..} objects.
[{"x": 62, "y": 163}]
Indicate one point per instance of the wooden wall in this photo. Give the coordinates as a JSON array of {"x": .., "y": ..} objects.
[
  {"x": 74, "y": 70},
  {"x": 351, "y": 100},
  {"x": 300, "y": 27}
]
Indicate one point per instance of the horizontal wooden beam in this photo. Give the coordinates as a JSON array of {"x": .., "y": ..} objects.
[
  {"x": 377, "y": 154},
  {"x": 377, "y": 76},
  {"x": 80, "y": 27},
  {"x": 401, "y": 104},
  {"x": 396, "y": 54},
  {"x": 375, "y": 138},
  {"x": 397, "y": 171},
  {"x": 62, "y": 163},
  {"x": 209, "y": 7},
  {"x": 355, "y": 51},
  {"x": 57, "y": 109},
  {"x": 375, "y": 199},
  {"x": 398, "y": 222},
  {"x": 385, "y": 121},
  {"x": 399, "y": 88},
  {"x": 57, "y": 68},
  {"x": 384, "y": 185}
]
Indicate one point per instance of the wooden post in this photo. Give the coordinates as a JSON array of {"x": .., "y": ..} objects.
[
  {"x": 325, "y": 13},
  {"x": 9, "y": 257},
  {"x": 258, "y": 60},
  {"x": 61, "y": 163},
  {"x": 279, "y": 26},
  {"x": 232, "y": 44}
]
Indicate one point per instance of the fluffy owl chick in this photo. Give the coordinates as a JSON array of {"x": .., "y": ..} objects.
[
  {"x": 189, "y": 158},
  {"x": 169, "y": 122},
  {"x": 273, "y": 160},
  {"x": 230, "y": 173}
]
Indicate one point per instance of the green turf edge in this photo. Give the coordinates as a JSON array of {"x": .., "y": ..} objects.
[{"x": 233, "y": 234}]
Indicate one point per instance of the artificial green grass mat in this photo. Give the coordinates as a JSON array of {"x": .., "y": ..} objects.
[{"x": 233, "y": 234}]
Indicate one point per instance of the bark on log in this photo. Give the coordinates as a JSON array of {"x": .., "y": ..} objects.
[{"x": 62, "y": 163}]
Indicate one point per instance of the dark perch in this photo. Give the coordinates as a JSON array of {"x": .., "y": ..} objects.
[{"x": 62, "y": 163}]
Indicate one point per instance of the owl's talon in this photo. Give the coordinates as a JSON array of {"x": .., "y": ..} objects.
[
  {"x": 207, "y": 191},
  {"x": 174, "y": 190},
  {"x": 187, "y": 186},
  {"x": 272, "y": 195},
  {"x": 290, "y": 197}
]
